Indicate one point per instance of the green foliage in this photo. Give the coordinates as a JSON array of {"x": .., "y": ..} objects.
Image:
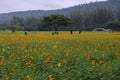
[
  {"x": 15, "y": 27},
  {"x": 115, "y": 25},
  {"x": 28, "y": 24},
  {"x": 41, "y": 56},
  {"x": 118, "y": 14},
  {"x": 90, "y": 19},
  {"x": 56, "y": 21},
  {"x": 4, "y": 27}
]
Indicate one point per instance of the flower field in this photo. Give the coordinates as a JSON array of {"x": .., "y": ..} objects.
[{"x": 43, "y": 56}]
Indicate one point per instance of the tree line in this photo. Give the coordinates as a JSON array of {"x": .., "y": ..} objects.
[
  {"x": 100, "y": 17},
  {"x": 77, "y": 20}
]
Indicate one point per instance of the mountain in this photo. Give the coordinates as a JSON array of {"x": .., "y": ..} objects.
[{"x": 112, "y": 4}]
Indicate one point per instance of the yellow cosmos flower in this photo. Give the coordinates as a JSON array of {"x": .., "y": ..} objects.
[
  {"x": 55, "y": 46},
  {"x": 1, "y": 63},
  {"x": 28, "y": 77},
  {"x": 50, "y": 77},
  {"x": 3, "y": 50},
  {"x": 1, "y": 57},
  {"x": 12, "y": 69},
  {"x": 93, "y": 62},
  {"x": 7, "y": 78},
  {"x": 59, "y": 64}
]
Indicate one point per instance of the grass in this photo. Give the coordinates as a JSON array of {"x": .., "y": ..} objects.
[{"x": 43, "y": 56}]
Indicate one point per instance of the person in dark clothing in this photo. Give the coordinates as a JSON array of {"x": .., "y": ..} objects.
[
  {"x": 26, "y": 33},
  {"x": 79, "y": 31},
  {"x": 56, "y": 32},
  {"x": 71, "y": 32},
  {"x": 53, "y": 33}
]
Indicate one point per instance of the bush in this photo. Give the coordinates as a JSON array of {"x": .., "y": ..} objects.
[{"x": 115, "y": 25}]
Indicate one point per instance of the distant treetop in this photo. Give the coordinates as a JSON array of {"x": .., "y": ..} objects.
[{"x": 113, "y": 0}]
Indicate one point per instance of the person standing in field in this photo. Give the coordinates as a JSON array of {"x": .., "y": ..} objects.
[
  {"x": 71, "y": 32},
  {"x": 79, "y": 31},
  {"x": 26, "y": 33}
]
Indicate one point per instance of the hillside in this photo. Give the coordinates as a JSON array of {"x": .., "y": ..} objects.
[{"x": 113, "y": 4}]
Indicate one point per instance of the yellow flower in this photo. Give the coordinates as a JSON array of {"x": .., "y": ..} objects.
[
  {"x": 28, "y": 78},
  {"x": 3, "y": 50},
  {"x": 93, "y": 62},
  {"x": 1, "y": 57},
  {"x": 103, "y": 55},
  {"x": 12, "y": 69},
  {"x": 13, "y": 55},
  {"x": 50, "y": 77},
  {"x": 7, "y": 78},
  {"x": 1, "y": 63},
  {"x": 15, "y": 64},
  {"x": 59, "y": 64},
  {"x": 100, "y": 74},
  {"x": 55, "y": 46},
  {"x": 56, "y": 43},
  {"x": 64, "y": 61}
]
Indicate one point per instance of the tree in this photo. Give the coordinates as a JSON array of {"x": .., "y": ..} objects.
[
  {"x": 30, "y": 23},
  {"x": 118, "y": 14},
  {"x": 114, "y": 0},
  {"x": 87, "y": 20},
  {"x": 102, "y": 15},
  {"x": 15, "y": 27},
  {"x": 17, "y": 20},
  {"x": 55, "y": 21},
  {"x": 4, "y": 27},
  {"x": 114, "y": 25},
  {"x": 78, "y": 20}
]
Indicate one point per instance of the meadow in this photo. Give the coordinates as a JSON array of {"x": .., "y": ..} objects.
[{"x": 43, "y": 56}]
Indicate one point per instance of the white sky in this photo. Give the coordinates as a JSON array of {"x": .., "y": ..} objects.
[{"x": 23, "y": 5}]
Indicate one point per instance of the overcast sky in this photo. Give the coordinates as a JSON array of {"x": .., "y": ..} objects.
[{"x": 23, "y": 5}]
